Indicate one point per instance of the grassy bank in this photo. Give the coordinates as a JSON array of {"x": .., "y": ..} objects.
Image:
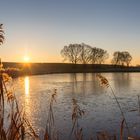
[{"x": 48, "y": 68}]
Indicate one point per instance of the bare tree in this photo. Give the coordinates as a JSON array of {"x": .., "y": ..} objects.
[
  {"x": 102, "y": 56},
  {"x": 98, "y": 56},
  {"x": 72, "y": 53},
  {"x": 94, "y": 55},
  {"x": 121, "y": 58},
  {"x": 85, "y": 54},
  {"x": 127, "y": 58},
  {"x": 117, "y": 58}
]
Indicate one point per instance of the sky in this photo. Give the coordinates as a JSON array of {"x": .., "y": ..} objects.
[{"x": 40, "y": 28}]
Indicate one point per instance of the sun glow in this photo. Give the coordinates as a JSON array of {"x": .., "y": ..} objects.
[{"x": 26, "y": 59}]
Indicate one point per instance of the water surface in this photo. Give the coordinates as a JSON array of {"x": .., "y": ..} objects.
[{"x": 101, "y": 110}]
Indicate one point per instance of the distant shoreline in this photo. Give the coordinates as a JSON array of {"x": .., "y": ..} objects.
[{"x": 52, "y": 68}]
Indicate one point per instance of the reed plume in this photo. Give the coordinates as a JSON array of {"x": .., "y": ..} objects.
[
  {"x": 104, "y": 82},
  {"x": 77, "y": 113}
]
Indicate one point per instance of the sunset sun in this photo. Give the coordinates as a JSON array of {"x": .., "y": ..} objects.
[{"x": 26, "y": 59}]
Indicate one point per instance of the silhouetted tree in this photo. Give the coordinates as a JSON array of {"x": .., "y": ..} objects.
[
  {"x": 98, "y": 56},
  {"x": 72, "y": 53},
  {"x": 117, "y": 58},
  {"x": 1, "y": 34},
  {"x": 85, "y": 53},
  {"x": 121, "y": 58},
  {"x": 127, "y": 58},
  {"x": 94, "y": 55},
  {"x": 102, "y": 56}
]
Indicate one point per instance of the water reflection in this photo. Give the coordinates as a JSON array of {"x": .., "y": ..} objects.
[
  {"x": 27, "y": 101},
  {"x": 73, "y": 78},
  {"x": 122, "y": 80},
  {"x": 27, "y": 85},
  {"x": 85, "y": 83},
  {"x": 85, "y": 87}
]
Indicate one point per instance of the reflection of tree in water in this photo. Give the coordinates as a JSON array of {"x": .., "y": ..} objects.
[
  {"x": 79, "y": 83},
  {"x": 73, "y": 77},
  {"x": 85, "y": 83},
  {"x": 122, "y": 80},
  {"x": 94, "y": 82}
]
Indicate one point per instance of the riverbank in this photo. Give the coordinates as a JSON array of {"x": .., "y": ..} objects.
[{"x": 51, "y": 68}]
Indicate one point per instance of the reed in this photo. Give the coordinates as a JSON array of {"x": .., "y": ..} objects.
[
  {"x": 77, "y": 113},
  {"x": 105, "y": 82},
  {"x": 19, "y": 127},
  {"x": 51, "y": 133}
]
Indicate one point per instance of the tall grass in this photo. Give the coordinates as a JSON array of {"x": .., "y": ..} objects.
[
  {"x": 51, "y": 133},
  {"x": 16, "y": 126},
  {"x": 77, "y": 113}
]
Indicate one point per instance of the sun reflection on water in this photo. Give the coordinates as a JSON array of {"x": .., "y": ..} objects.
[
  {"x": 27, "y": 85},
  {"x": 27, "y": 101}
]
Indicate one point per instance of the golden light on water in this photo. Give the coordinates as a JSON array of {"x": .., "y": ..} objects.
[
  {"x": 27, "y": 85},
  {"x": 27, "y": 103}
]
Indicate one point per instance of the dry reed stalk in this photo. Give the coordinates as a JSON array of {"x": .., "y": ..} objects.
[
  {"x": 50, "y": 133},
  {"x": 121, "y": 130},
  {"x": 19, "y": 127},
  {"x": 77, "y": 113},
  {"x": 105, "y": 82}
]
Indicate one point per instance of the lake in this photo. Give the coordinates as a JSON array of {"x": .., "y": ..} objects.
[{"x": 101, "y": 110}]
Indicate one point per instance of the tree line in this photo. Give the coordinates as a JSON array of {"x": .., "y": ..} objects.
[{"x": 86, "y": 54}]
